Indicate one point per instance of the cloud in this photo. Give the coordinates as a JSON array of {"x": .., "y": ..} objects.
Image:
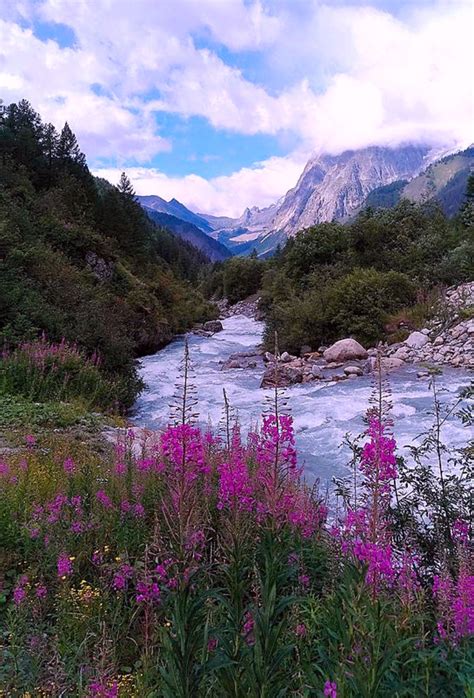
[
  {"x": 334, "y": 75},
  {"x": 260, "y": 185}
]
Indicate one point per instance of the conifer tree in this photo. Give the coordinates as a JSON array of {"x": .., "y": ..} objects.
[
  {"x": 125, "y": 188},
  {"x": 68, "y": 148}
]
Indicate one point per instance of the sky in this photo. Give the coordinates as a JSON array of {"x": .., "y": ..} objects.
[{"x": 220, "y": 103}]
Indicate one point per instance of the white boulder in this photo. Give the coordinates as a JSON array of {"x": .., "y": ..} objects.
[
  {"x": 345, "y": 350},
  {"x": 416, "y": 340}
]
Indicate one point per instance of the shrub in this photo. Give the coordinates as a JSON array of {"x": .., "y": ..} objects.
[{"x": 42, "y": 371}]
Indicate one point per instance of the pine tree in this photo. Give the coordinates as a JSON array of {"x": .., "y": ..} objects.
[
  {"x": 126, "y": 189},
  {"x": 68, "y": 148},
  {"x": 49, "y": 143}
]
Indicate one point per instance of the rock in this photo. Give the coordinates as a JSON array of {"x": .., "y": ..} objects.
[
  {"x": 353, "y": 371},
  {"x": 372, "y": 351},
  {"x": 345, "y": 350},
  {"x": 316, "y": 372},
  {"x": 423, "y": 374},
  {"x": 286, "y": 358},
  {"x": 202, "y": 333},
  {"x": 322, "y": 349},
  {"x": 213, "y": 326},
  {"x": 438, "y": 341},
  {"x": 425, "y": 330},
  {"x": 416, "y": 340},
  {"x": 269, "y": 357},
  {"x": 402, "y": 353},
  {"x": 245, "y": 359},
  {"x": 286, "y": 376},
  {"x": 334, "y": 364},
  {"x": 386, "y": 363},
  {"x": 305, "y": 349}
]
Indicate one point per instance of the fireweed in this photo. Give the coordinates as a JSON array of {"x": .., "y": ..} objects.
[{"x": 208, "y": 565}]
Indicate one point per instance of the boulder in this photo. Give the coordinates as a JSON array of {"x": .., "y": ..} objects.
[
  {"x": 213, "y": 326},
  {"x": 386, "y": 364},
  {"x": 322, "y": 349},
  {"x": 316, "y": 372},
  {"x": 345, "y": 350},
  {"x": 286, "y": 358},
  {"x": 416, "y": 340},
  {"x": 268, "y": 356},
  {"x": 353, "y": 371},
  {"x": 402, "y": 353},
  {"x": 286, "y": 376}
]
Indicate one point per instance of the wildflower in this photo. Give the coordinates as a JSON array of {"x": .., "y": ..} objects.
[
  {"x": 248, "y": 627},
  {"x": 69, "y": 466},
  {"x": 19, "y": 595},
  {"x": 147, "y": 591},
  {"x": 97, "y": 689},
  {"x": 212, "y": 644},
  {"x": 124, "y": 573},
  {"x": 104, "y": 499},
  {"x": 30, "y": 440},
  {"x": 41, "y": 591},
  {"x": 330, "y": 689},
  {"x": 64, "y": 566},
  {"x": 304, "y": 580},
  {"x": 300, "y": 630}
]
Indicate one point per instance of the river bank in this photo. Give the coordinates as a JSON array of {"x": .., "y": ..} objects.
[{"x": 323, "y": 411}]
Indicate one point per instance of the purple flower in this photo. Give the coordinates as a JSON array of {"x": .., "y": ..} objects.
[
  {"x": 41, "y": 591},
  {"x": 330, "y": 689},
  {"x": 69, "y": 466},
  {"x": 64, "y": 565},
  {"x": 104, "y": 499}
]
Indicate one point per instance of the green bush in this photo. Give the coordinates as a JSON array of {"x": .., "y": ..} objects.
[
  {"x": 41, "y": 371},
  {"x": 242, "y": 277}
]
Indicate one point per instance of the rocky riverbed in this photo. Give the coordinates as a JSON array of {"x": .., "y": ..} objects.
[{"x": 448, "y": 339}]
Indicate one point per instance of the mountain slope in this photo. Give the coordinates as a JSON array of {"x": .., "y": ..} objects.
[
  {"x": 213, "y": 249},
  {"x": 176, "y": 209},
  {"x": 332, "y": 187},
  {"x": 444, "y": 181}
]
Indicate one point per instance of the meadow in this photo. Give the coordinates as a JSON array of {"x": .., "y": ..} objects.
[{"x": 198, "y": 562}]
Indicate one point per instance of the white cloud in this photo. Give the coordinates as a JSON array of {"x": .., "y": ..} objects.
[
  {"x": 260, "y": 185},
  {"x": 347, "y": 76}
]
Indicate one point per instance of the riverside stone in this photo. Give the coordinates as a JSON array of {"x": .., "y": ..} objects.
[
  {"x": 213, "y": 326},
  {"x": 353, "y": 371},
  {"x": 416, "y": 340},
  {"x": 345, "y": 350}
]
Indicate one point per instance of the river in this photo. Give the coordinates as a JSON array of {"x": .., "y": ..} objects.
[{"x": 323, "y": 412}]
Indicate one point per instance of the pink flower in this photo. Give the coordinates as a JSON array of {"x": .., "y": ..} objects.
[
  {"x": 19, "y": 595},
  {"x": 97, "y": 689},
  {"x": 212, "y": 644},
  {"x": 69, "y": 466},
  {"x": 64, "y": 565},
  {"x": 30, "y": 440},
  {"x": 330, "y": 689},
  {"x": 104, "y": 499},
  {"x": 41, "y": 591},
  {"x": 300, "y": 630}
]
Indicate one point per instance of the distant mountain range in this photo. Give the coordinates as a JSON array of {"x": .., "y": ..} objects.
[
  {"x": 186, "y": 225},
  {"x": 331, "y": 187}
]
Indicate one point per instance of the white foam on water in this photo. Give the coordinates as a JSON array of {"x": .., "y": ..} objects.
[{"x": 323, "y": 412}]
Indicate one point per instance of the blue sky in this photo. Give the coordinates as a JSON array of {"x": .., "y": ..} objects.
[{"x": 219, "y": 103}]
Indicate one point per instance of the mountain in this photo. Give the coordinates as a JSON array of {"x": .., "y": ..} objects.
[
  {"x": 331, "y": 187},
  {"x": 444, "y": 181},
  {"x": 176, "y": 209},
  {"x": 213, "y": 249}
]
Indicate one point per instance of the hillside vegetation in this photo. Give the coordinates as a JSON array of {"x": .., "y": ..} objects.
[
  {"x": 79, "y": 259},
  {"x": 334, "y": 280}
]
